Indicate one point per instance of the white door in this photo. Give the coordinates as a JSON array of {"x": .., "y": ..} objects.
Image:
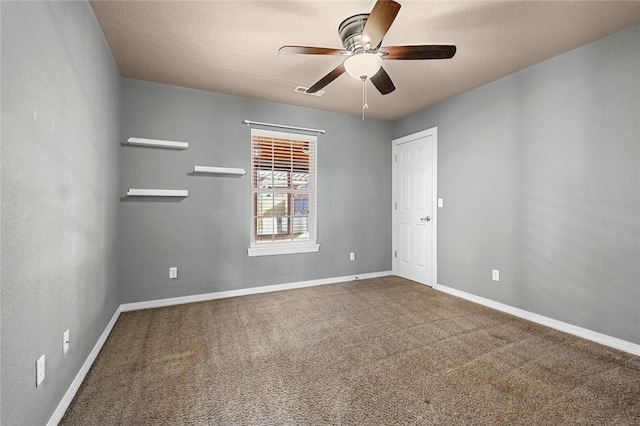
[{"x": 414, "y": 203}]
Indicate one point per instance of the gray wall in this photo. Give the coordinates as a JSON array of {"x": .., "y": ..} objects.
[
  {"x": 207, "y": 234},
  {"x": 540, "y": 175},
  {"x": 59, "y": 198},
  {"x": 540, "y": 172}
]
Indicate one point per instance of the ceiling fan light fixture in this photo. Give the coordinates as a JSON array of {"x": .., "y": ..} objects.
[{"x": 362, "y": 65}]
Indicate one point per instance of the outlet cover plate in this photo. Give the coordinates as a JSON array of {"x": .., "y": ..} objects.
[
  {"x": 40, "y": 370},
  {"x": 173, "y": 272},
  {"x": 65, "y": 342},
  {"x": 495, "y": 275}
]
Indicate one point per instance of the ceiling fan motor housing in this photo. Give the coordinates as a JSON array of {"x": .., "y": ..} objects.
[{"x": 350, "y": 31}]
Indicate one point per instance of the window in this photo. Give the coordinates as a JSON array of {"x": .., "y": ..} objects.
[{"x": 283, "y": 193}]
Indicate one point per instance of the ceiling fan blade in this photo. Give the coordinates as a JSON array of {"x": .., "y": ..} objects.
[
  {"x": 383, "y": 82},
  {"x": 379, "y": 22},
  {"x": 309, "y": 50},
  {"x": 427, "y": 51},
  {"x": 335, "y": 73}
]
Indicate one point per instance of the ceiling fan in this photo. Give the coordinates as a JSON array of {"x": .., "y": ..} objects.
[{"x": 361, "y": 37}]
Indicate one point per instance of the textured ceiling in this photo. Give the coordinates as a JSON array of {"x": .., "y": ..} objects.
[{"x": 232, "y": 46}]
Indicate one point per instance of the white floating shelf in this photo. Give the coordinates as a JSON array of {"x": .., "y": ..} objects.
[
  {"x": 158, "y": 192},
  {"x": 158, "y": 143},
  {"x": 219, "y": 170}
]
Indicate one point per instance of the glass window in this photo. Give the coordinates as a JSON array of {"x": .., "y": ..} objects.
[{"x": 283, "y": 193}]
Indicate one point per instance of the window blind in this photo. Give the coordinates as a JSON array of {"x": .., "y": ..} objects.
[{"x": 283, "y": 188}]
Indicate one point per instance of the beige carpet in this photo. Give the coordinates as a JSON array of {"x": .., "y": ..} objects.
[{"x": 382, "y": 351}]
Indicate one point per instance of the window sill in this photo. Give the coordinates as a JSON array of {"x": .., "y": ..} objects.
[{"x": 282, "y": 248}]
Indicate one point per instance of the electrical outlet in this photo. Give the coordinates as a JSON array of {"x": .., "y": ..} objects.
[
  {"x": 495, "y": 275},
  {"x": 173, "y": 272},
  {"x": 39, "y": 370},
  {"x": 440, "y": 202},
  {"x": 65, "y": 342},
  {"x": 352, "y": 255}
]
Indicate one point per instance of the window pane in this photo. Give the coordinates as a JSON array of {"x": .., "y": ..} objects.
[
  {"x": 301, "y": 204},
  {"x": 300, "y": 180},
  {"x": 281, "y": 225},
  {"x": 283, "y": 187},
  {"x": 281, "y": 180},
  {"x": 300, "y": 228},
  {"x": 264, "y": 228},
  {"x": 280, "y": 205},
  {"x": 265, "y": 179},
  {"x": 264, "y": 204}
]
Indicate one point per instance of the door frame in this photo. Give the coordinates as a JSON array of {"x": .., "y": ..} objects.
[{"x": 433, "y": 131}]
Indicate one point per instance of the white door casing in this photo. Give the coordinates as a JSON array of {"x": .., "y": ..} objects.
[{"x": 415, "y": 207}]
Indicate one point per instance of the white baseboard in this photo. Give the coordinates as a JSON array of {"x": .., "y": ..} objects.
[
  {"x": 594, "y": 336},
  {"x": 77, "y": 381},
  {"x": 559, "y": 325},
  {"x": 245, "y": 291}
]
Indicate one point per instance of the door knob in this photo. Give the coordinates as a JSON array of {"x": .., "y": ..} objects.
[{"x": 425, "y": 219}]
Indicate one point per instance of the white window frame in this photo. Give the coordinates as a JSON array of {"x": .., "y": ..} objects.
[{"x": 287, "y": 247}]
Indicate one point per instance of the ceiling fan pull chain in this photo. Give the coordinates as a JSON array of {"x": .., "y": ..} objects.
[{"x": 364, "y": 95}]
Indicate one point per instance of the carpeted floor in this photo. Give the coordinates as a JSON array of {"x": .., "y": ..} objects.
[{"x": 381, "y": 351}]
